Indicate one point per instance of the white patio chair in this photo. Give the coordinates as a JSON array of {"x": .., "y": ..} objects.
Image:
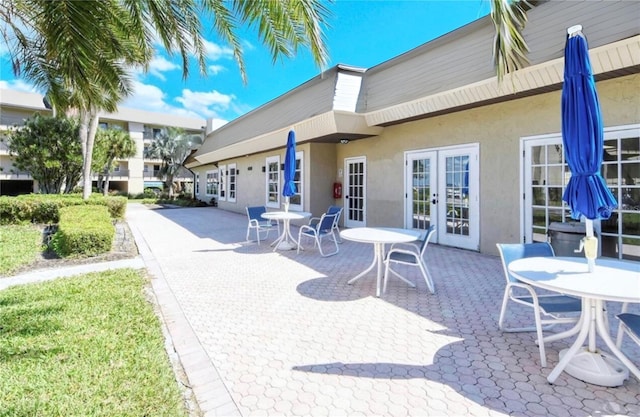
[
  {"x": 259, "y": 224},
  {"x": 318, "y": 231},
  {"x": 557, "y": 308},
  {"x": 409, "y": 254},
  {"x": 629, "y": 324}
]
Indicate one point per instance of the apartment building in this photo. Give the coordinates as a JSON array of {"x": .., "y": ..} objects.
[
  {"x": 431, "y": 137},
  {"x": 131, "y": 175}
]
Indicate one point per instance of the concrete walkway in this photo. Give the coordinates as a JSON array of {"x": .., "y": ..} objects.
[{"x": 274, "y": 333}]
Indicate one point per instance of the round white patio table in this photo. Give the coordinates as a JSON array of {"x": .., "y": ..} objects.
[
  {"x": 611, "y": 280},
  {"x": 379, "y": 236},
  {"x": 285, "y": 241}
]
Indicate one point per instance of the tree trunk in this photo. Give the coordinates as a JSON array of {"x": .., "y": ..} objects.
[
  {"x": 88, "y": 120},
  {"x": 170, "y": 186},
  {"x": 105, "y": 184}
]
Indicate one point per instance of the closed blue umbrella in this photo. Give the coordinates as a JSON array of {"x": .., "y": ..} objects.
[
  {"x": 582, "y": 135},
  {"x": 289, "y": 188}
]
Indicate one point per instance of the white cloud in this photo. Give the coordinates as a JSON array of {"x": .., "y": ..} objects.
[
  {"x": 203, "y": 105},
  {"x": 207, "y": 103},
  {"x": 216, "y": 69},
  {"x": 19, "y": 85},
  {"x": 160, "y": 64},
  {"x": 215, "y": 51}
]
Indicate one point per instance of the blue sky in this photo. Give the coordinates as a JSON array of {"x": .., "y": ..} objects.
[{"x": 362, "y": 33}]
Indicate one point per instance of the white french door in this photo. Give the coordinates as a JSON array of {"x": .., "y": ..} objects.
[
  {"x": 421, "y": 190},
  {"x": 442, "y": 187},
  {"x": 354, "y": 194}
]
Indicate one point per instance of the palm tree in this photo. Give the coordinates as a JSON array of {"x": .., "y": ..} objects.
[
  {"x": 80, "y": 52},
  {"x": 172, "y": 146},
  {"x": 111, "y": 144}
]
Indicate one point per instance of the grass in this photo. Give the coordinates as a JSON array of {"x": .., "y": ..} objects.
[
  {"x": 84, "y": 346},
  {"x": 19, "y": 246}
]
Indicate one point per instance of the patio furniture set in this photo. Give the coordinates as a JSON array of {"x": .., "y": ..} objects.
[
  {"x": 571, "y": 293},
  {"x": 407, "y": 246}
]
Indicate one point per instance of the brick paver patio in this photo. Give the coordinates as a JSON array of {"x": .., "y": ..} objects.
[{"x": 275, "y": 333}]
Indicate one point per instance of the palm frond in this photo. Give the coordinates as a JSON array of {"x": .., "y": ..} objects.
[{"x": 510, "y": 49}]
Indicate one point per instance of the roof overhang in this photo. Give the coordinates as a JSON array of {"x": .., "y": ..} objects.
[
  {"x": 608, "y": 58},
  {"x": 327, "y": 127}
]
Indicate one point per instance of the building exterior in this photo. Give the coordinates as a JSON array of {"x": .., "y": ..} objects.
[
  {"x": 431, "y": 136},
  {"x": 130, "y": 176}
]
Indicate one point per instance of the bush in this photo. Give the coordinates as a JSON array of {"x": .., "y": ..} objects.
[
  {"x": 83, "y": 230},
  {"x": 45, "y": 208}
]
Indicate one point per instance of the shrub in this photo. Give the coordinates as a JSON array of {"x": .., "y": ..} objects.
[
  {"x": 44, "y": 208},
  {"x": 83, "y": 230}
]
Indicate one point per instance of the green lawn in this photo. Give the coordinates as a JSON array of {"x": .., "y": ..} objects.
[
  {"x": 19, "y": 246},
  {"x": 84, "y": 346}
]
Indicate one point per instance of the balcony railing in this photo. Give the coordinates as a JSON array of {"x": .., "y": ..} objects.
[
  {"x": 123, "y": 173},
  {"x": 14, "y": 174},
  {"x": 150, "y": 174}
]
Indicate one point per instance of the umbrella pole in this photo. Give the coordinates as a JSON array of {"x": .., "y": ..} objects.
[
  {"x": 286, "y": 205},
  {"x": 590, "y": 245}
]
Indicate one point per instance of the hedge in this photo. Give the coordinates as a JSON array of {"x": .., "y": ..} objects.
[
  {"x": 83, "y": 230},
  {"x": 45, "y": 208}
]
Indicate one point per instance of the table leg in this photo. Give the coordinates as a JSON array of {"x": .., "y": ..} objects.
[
  {"x": 283, "y": 241},
  {"x": 604, "y": 333},
  {"x": 279, "y": 240},
  {"x": 363, "y": 273},
  {"x": 588, "y": 363},
  {"x": 379, "y": 249},
  {"x": 582, "y": 336},
  {"x": 567, "y": 333}
]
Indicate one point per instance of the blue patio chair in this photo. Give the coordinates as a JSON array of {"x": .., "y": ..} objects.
[
  {"x": 556, "y": 308},
  {"x": 259, "y": 224},
  {"x": 331, "y": 210},
  {"x": 318, "y": 231},
  {"x": 400, "y": 254},
  {"x": 629, "y": 324}
]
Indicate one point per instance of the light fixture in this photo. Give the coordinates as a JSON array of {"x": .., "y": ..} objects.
[{"x": 344, "y": 141}]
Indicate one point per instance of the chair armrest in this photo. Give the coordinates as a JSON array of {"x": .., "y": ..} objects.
[
  {"x": 404, "y": 251},
  {"x": 411, "y": 244},
  {"x": 307, "y": 227},
  {"x": 254, "y": 223},
  {"x": 314, "y": 220},
  {"x": 525, "y": 287}
]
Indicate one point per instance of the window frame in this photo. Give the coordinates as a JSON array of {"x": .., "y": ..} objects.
[
  {"x": 299, "y": 181},
  {"x": 272, "y": 178},
  {"x": 232, "y": 182},
  {"x": 213, "y": 181},
  {"x": 222, "y": 188}
]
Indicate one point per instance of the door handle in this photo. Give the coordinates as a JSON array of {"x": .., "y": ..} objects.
[{"x": 434, "y": 201}]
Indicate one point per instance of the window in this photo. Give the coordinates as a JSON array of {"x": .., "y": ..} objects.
[
  {"x": 546, "y": 175},
  {"x": 212, "y": 183},
  {"x": 621, "y": 171},
  {"x": 197, "y": 185},
  {"x": 231, "y": 183},
  {"x": 151, "y": 133},
  {"x": 296, "y": 200},
  {"x": 103, "y": 125},
  {"x": 222, "y": 189},
  {"x": 272, "y": 183}
]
